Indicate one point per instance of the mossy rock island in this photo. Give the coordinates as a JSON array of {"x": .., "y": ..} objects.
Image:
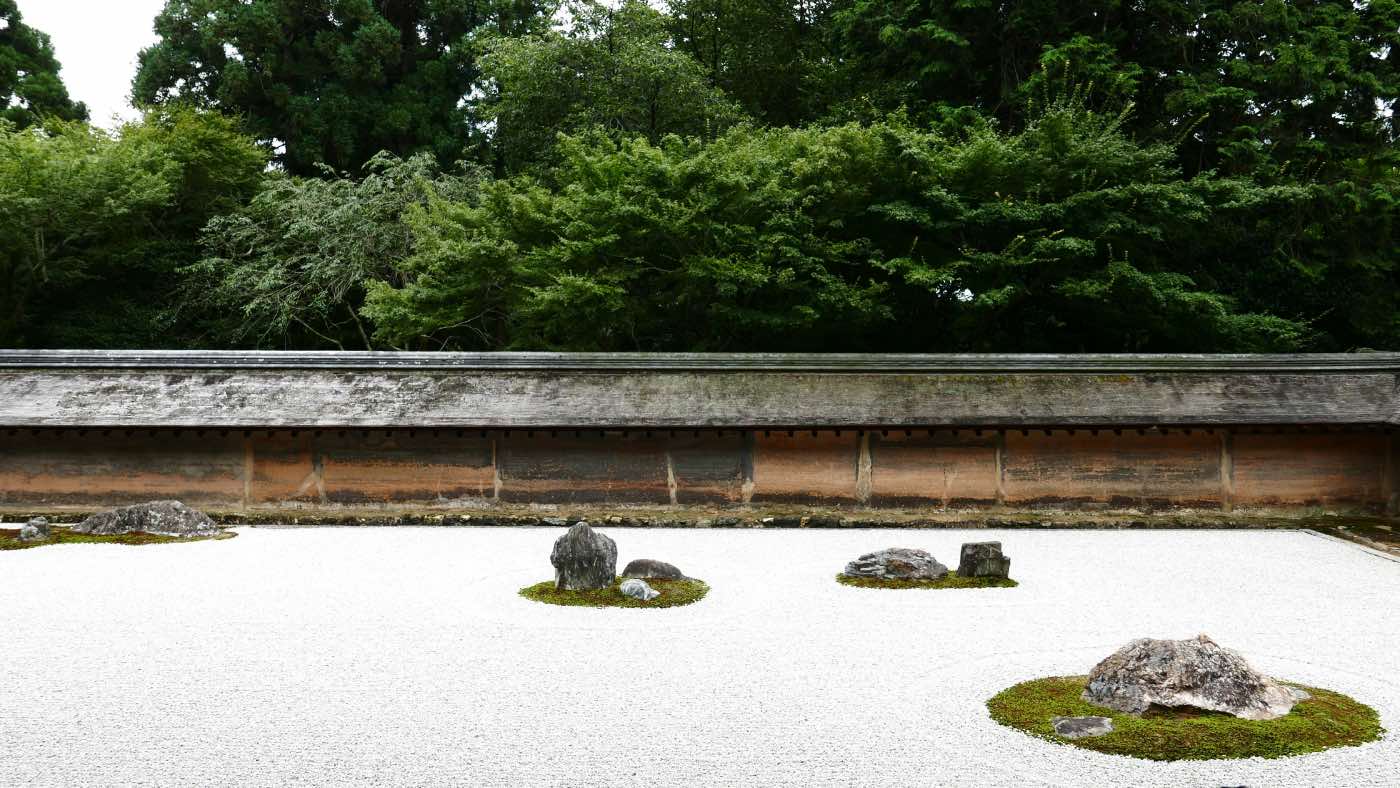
[
  {"x": 9, "y": 538},
  {"x": 674, "y": 593},
  {"x": 949, "y": 580},
  {"x": 1322, "y": 721}
]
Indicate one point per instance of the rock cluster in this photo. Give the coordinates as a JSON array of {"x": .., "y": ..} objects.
[
  {"x": 983, "y": 559},
  {"x": 35, "y": 530},
  {"x": 649, "y": 569},
  {"x": 638, "y": 589},
  {"x": 166, "y": 518},
  {"x": 584, "y": 560},
  {"x": 1196, "y": 672},
  {"x": 897, "y": 563}
]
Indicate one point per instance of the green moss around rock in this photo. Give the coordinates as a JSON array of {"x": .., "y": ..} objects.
[
  {"x": 1327, "y": 720},
  {"x": 9, "y": 538},
  {"x": 674, "y": 593},
  {"x": 950, "y": 580}
]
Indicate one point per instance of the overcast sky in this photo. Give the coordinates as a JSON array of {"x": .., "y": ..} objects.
[{"x": 96, "y": 42}]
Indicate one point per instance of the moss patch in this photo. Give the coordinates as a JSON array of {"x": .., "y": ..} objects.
[
  {"x": 9, "y": 538},
  {"x": 674, "y": 593},
  {"x": 950, "y": 580},
  {"x": 1328, "y": 720}
]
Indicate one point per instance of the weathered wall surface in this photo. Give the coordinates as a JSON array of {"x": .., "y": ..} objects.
[{"x": 943, "y": 468}]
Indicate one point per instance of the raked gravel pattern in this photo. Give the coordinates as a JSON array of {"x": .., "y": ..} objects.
[{"x": 403, "y": 656}]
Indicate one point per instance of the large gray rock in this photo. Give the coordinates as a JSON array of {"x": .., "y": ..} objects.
[
  {"x": 35, "y": 530},
  {"x": 638, "y": 589},
  {"x": 166, "y": 518},
  {"x": 983, "y": 559},
  {"x": 1195, "y": 672},
  {"x": 583, "y": 559},
  {"x": 648, "y": 569},
  {"x": 897, "y": 563},
  {"x": 1081, "y": 727}
]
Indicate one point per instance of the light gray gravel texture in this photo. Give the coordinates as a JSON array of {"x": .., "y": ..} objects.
[{"x": 382, "y": 656}]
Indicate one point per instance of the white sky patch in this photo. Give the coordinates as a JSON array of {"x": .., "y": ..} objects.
[{"x": 96, "y": 42}]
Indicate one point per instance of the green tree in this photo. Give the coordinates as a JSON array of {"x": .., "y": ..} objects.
[
  {"x": 332, "y": 81},
  {"x": 1296, "y": 84},
  {"x": 289, "y": 269},
  {"x": 94, "y": 224},
  {"x": 772, "y": 56},
  {"x": 30, "y": 88},
  {"x": 1066, "y": 236},
  {"x": 611, "y": 68}
]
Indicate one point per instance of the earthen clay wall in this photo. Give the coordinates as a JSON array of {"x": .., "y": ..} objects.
[{"x": 237, "y": 470}]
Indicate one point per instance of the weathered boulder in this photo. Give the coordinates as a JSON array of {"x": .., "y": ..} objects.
[
  {"x": 167, "y": 518},
  {"x": 897, "y": 563},
  {"x": 35, "y": 530},
  {"x": 583, "y": 559},
  {"x": 646, "y": 568},
  {"x": 1195, "y": 672},
  {"x": 1081, "y": 727},
  {"x": 983, "y": 559},
  {"x": 638, "y": 589}
]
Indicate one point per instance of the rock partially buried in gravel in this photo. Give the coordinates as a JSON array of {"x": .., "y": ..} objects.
[
  {"x": 165, "y": 518},
  {"x": 648, "y": 569},
  {"x": 897, "y": 563},
  {"x": 983, "y": 559},
  {"x": 1081, "y": 727},
  {"x": 583, "y": 559},
  {"x": 638, "y": 589},
  {"x": 1196, "y": 672},
  {"x": 35, "y": 530}
]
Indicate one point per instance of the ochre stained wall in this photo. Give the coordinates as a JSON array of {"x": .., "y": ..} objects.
[{"x": 935, "y": 469}]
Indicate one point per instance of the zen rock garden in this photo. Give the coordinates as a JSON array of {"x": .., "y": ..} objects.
[
  {"x": 1184, "y": 700},
  {"x": 155, "y": 522},
  {"x": 981, "y": 565},
  {"x": 585, "y": 575}
]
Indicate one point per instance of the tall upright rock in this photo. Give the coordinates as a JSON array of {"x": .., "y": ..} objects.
[{"x": 583, "y": 559}]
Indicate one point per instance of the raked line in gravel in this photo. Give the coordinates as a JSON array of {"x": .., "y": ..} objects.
[{"x": 403, "y": 656}]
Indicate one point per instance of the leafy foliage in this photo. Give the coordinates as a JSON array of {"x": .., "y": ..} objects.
[
  {"x": 290, "y": 268},
  {"x": 611, "y": 69},
  {"x": 30, "y": 88},
  {"x": 331, "y": 81},
  {"x": 1068, "y": 235},
  {"x": 93, "y": 225}
]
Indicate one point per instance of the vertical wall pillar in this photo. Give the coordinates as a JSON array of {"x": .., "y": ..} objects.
[
  {"x": 863, "y": 469},
  {"x": 1227, "y": 471},
  {"x": 999, "y": 461}
]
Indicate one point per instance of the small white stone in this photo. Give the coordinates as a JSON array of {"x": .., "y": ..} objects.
[{"x": 638, "y": 589}]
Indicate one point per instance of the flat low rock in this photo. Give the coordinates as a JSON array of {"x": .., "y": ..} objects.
[
  {"x": 638, "y": 589},
  {"x": 165, "y": 518},
  {"x": 583, "y": 559},
  {"x": 1196, "y": 672},
  {"x": 1081, "y": 727},
  {"x": 897, "y": 563},
  {"x": 983, "y": 559},
  {"x": 650, "y": 569}
]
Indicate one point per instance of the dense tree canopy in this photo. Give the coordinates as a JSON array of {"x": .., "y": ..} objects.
[
  {"x": 93, "y": 225},
  {"x": 331, "y": 81},
  {"x": 865, "y": 175},
  {"x": 1289, "y": 82},
  {"x": 30, "y": 88},
  {"x": 612, "y": 69},
  {"x": 1066, "y": 236}
]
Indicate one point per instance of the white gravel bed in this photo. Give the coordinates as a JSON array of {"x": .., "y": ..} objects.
[{"x": 403, "y": 656}]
